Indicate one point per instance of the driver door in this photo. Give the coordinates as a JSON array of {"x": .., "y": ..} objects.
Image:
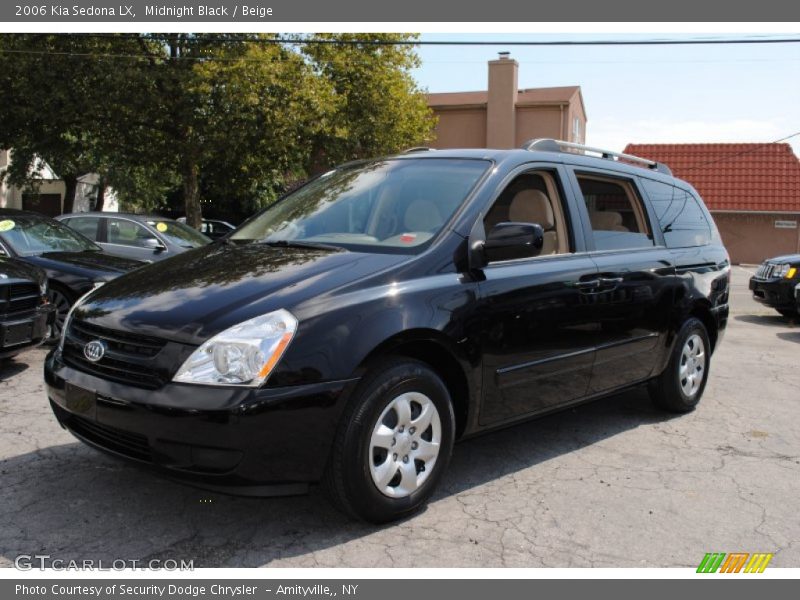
[{"x": 538, "y": 324}]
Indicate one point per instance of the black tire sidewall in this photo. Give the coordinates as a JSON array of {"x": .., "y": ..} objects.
[{"x": 365, "y": 499}]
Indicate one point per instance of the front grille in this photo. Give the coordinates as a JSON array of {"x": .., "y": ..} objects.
[
  {"x": 765, "y": 271},
  {"x": 129, "y": 444},
  {"x": 19, "y": 297},
  {"x": 129, "y": 358}
]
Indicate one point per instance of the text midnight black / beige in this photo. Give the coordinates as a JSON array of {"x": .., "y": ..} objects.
[{"x": 181, "y": 11}]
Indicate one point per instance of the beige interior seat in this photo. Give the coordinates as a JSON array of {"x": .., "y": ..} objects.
[
  {"x": 607, "y": 220},
  {"x": 422, "y": 215},
  {"x": 533, "y": 206}
]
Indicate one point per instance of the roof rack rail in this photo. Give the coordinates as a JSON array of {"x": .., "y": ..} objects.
[
  {"x": 418, "y": 149},
  {"x": 551, "y": 145}
]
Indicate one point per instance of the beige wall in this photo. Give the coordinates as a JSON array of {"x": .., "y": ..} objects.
[
  {"x": 539, "y": 122},
  {"x": 751, "y": 238},
  {"x": 460, "y": 128}
]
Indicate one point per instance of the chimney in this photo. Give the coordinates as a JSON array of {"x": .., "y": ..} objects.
[{"x": 501, "y": 105}]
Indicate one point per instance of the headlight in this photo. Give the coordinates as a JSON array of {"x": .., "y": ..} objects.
[
  {"x": 781, "y": 270},
  {"x": 244, "y": 354}
]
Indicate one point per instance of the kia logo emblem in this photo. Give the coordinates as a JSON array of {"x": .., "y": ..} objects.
[{"x": 94, "y": 350}]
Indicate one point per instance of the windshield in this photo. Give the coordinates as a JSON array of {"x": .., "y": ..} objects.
[
  {"x": 29, "y": 235},
  {"x": 385, "y": 206},
  {"x": 179, "y": 233}
]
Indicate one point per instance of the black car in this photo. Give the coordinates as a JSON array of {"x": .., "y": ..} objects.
[
  {"x": 73, "y": 264},
  {"x": 26, "y": 314},
  {"x": 148, "y": 238},
  {"x": 774, "y": 282},
  {"x": 352, "y": 331}
]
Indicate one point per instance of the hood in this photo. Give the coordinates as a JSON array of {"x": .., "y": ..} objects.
[
  {"x": 199, "y": 293},
  {"x": 786, "y": 258},
  {"x": 92, "y": 264},
  {"x": 14, "y": 271}
]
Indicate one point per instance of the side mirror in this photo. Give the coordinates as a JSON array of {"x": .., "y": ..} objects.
[
  {"x": 154, "y": 245},
  {"x": 507, "y": 241}
]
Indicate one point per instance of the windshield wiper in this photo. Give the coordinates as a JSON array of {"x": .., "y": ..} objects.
[{"x": 301, "y": 244}]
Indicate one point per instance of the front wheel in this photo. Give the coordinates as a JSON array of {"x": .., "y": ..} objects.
[
  {"x": 393, "y": 444},
  {"x": 62, "y": 302},
  {"x": 681, "y": 385}
]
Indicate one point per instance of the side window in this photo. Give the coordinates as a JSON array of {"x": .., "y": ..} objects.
[
  {"x": 128, "y": 233},
  {"x": 87, "y": 226},
  {"x": 680, "y": 216},
  {"x": 616, "y": 213},
  {"x": 533, "y": 198}
]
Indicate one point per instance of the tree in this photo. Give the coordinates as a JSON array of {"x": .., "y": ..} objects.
[
  {"x": 227, "y": 118},
  {"x": 379, "y": 109}
]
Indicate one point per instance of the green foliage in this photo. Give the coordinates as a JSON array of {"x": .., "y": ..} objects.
[{"x": 224, "y": 119}]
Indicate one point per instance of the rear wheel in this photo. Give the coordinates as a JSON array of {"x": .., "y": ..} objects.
[
  {"x": 681, "y": 385},
  {"x": 789, "y": 313},
  {"x": 393, "y": 444}
]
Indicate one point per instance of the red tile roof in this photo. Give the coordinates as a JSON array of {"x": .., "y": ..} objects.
[{"x": 735, "y": 177}]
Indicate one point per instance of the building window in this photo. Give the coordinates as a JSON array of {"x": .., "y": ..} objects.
[{"x": 577, "y": 136}]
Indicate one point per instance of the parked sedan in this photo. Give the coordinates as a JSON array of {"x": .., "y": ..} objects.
[
  {"x": 213, "y": 228},
  {"x": 774, "y": 283},
  {"x": 26, "y": 314},
  {"x": 73, "y": 265},
  {"x": 148, "y": 238}
]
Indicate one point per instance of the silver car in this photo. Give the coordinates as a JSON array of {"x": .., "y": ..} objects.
[{"x": 147, "y": 238}]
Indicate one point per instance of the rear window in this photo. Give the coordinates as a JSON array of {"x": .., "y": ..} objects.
[{"x": 680, "y": 215}]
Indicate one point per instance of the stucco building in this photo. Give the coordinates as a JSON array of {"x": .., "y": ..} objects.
[
  {"x": 504, "y": 116},
  {"x": 752, "y": 190}
]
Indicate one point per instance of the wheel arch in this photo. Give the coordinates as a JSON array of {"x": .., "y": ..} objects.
[{"x": 436, "y": 350}]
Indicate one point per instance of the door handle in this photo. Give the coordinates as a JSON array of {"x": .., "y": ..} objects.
[
  {"x": 611, "y": 280},
  {"x": 591, "y": 284}
]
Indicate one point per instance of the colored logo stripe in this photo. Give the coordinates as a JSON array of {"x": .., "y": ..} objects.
[
  {"x": 713, "y": 562},
  {"x": 758, "y": 562}
]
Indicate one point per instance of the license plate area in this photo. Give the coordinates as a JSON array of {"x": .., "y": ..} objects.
[
  {"x": 14, "y": 334},
  {"x": 80, "y": 401}
]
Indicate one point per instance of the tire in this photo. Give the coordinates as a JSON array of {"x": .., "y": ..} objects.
[
  {"x": 62, "y": 299},
  {"x": 367, "y": 476},
  {"x": 673, "y": 390},
  {"x": 789, "y": 313}
]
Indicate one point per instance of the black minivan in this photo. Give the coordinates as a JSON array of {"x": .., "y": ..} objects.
[{"x": 353, "y": 331}]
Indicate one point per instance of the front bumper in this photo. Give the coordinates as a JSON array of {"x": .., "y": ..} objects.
[
  {"x": 775, "y": 293},
  {"x": 21, "y": 331},
  {"x": 267, "y": 441}
]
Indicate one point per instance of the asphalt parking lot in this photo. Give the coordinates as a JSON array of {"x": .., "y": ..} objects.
[{"x": 610, "y": 484}]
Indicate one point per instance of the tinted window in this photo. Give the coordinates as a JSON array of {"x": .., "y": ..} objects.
[
  {"x": 679, "y": 214},
  {"x": 86, "y": 226},
  {"x": 129, "y": 233},
  {"x": 383, "y": 206},
  {"x": 616, "y": 214}
]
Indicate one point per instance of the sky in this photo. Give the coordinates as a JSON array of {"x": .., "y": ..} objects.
[{"x": 640, "y": 94}]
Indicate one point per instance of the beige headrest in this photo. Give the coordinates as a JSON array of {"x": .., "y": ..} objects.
[
  {"x": 422, "y": 215},
  {"x": 532, "y": 206},
  {"x": 607, "y": 220}
]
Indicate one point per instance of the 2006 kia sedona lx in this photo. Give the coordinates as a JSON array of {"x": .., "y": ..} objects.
[{"x": 353, "y": 331}]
